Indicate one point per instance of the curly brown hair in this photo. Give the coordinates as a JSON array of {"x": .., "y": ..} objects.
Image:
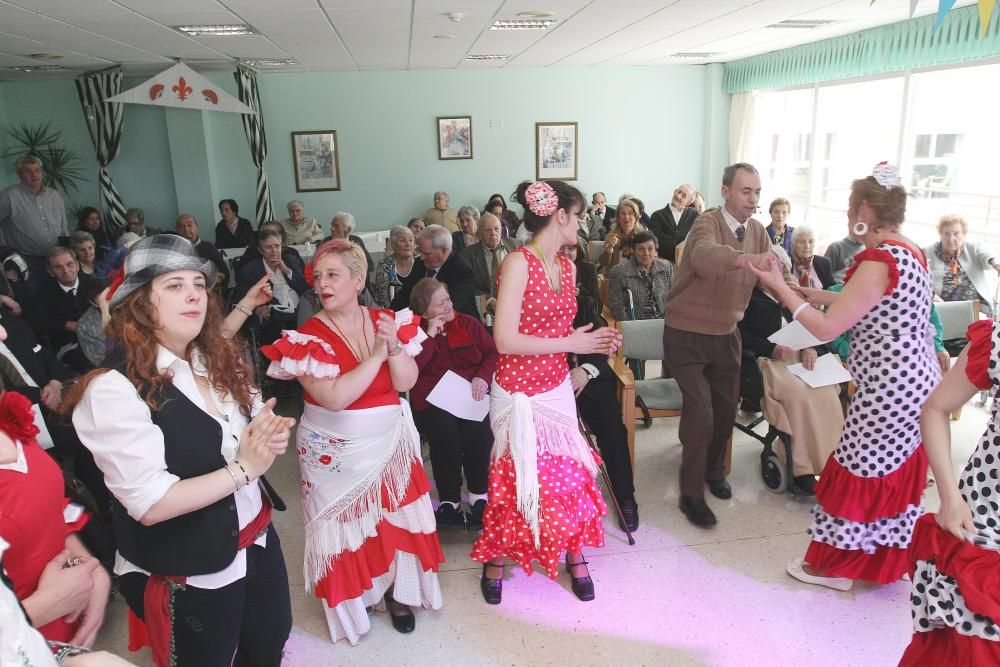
[{"x": 133, "y": 327}]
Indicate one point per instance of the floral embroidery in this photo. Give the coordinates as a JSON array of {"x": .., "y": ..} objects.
[{"x": 320, "y": 452}]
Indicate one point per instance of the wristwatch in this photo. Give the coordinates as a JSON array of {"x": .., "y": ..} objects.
[{"x": 590, "y": 370}]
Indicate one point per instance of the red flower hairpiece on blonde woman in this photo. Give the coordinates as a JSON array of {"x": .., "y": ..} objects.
[
  {"x": 542, "y": 199},
  {"x": 16, "y": 417}
]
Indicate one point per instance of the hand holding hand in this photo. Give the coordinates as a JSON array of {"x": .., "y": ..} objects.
[
  {"x": 68, "y": 588},
  {"x": 385, "y": 330},
  {"x": 809, "y": 358},
  {"x": 479, "y": 389},
  {"x": 93, "y": 613},
  {"x": 601, "y": 341},
  {"x": 259, "y": 294},
  {"x": 767, "y": 268}
]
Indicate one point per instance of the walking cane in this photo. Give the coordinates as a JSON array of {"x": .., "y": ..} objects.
[{"x": 588, "y": 436}]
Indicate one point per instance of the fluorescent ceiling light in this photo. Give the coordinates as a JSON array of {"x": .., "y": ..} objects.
[
  {"x": 267, "y": 62},
  {"x": 800, "y": 23},
  {"x": 693, "y": 54},
  {"x": 522, "y": 24},
  {"x": 486, "y": 56},
  {"x": 37, "y": 68},
  {"x": 221, "y": 30}
]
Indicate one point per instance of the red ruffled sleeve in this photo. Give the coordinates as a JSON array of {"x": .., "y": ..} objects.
[
  {"x": 876, "y": 255},
  {"x": 296, "y": 354},
  {"x": 977, "y": 363}
]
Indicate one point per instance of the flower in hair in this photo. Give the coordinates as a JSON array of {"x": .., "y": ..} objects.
[
  {"x": 16, "y": 418},
  {"x": 886, "y": 175},
  {"x": 541, "y": 199}
]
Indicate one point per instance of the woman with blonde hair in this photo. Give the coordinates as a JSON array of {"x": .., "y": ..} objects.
[
  {"x": 618, "y": 243},
  {"x": 370, "y": 532}
]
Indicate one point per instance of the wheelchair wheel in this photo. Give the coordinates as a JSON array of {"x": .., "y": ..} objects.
[{"x": 774, "y": 474}]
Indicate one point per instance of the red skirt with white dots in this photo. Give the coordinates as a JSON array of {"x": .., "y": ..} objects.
[{"x": 570, "y": 511}]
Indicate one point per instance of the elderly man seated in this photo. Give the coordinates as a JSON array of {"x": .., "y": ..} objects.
[
  {"x": 287, "y": 283},
  {"x": 300, "y": 229},
  {"x": 438, "y": 261},
  {"x": 638, "y": 286},
  {"x": 187, "y": 227},
  {"x": 441, "y": 214},
  {"x": 484, "y": 258},
  {"x": 62, "y": 300}
]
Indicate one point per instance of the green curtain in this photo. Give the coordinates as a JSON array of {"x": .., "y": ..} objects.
[{"x": 890, "y": 48}]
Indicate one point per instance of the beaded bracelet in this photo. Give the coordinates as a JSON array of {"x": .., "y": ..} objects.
[{"x": 243, "y": 470}]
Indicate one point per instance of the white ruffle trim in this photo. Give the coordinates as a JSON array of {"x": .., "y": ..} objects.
[
  {"x": 411, "y": 585},
  {"x": 287, "y": 368},
  {"x": 946, "y": 607},
  {"x": 865, "y": 536},
  {"x": 404, "y": 317}
]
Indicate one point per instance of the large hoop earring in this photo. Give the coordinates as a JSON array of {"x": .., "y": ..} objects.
[{"x": 860, "y": 228}]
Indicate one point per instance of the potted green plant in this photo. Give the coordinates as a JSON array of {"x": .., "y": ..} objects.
[{"x": 61, "y": 166}]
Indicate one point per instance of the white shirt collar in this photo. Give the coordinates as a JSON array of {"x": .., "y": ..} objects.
[
  {"x": 73, "y": 287},
  {"x": 166, "y": 359},
  {"x": 677, "y": 212},
  {"x": 733, "y": 223}
]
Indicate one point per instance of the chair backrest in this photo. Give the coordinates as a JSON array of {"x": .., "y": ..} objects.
[
  {"x": 956, "y": 316},
  {"x": 596, "y": 248},
  {"x": 602, "y": 288},
  {"x": 642, "y": 339}
]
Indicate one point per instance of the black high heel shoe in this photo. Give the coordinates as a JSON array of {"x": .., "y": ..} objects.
[
  {"x": 401, "y": 616},
  {"x": 583, "y": 587},
  {"x": 492, "y": 588}
]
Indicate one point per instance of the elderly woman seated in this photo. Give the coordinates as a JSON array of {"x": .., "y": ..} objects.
[
  {"x": 960, "y": 267},
  {"x": 299, "y": 228},
  {"x": 233, "y": 230},
  {"x": 810, "y": 269},
  {"x": 85, "y": 247},
  {"x": 342, "y": 227},
  {"x": 637, "y": 288},
  {"x": 468, "y": 221},
  {"x": 617, "y": 244},
  {"x": 395, "y": 266},
  {"x": 89, "y": 220},
  {"x": 811, "y": 416},
  {"x": 459, "y": 343}
]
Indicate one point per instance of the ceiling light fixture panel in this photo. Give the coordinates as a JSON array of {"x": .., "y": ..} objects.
[
  {"x": 522, "y": 24},
  {"x": 267, "y": 62},
  {"x": 37, "y": 68},
  {"x": 694, "y": 54},
  {"x": 801, "y": 24},
  {"x": 486, "y": 56},
  {"x": 219, "y": 30}
]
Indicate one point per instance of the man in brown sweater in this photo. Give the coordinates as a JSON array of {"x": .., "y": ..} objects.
[{"x": 701, "y": 344}]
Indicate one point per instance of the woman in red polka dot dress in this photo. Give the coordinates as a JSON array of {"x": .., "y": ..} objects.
[{"x": 543, "y": 496}]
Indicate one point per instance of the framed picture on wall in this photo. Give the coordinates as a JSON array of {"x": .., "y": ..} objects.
[
  {"x": 556, "y": 151},
  {"x": 317, "y": 162},
  {"x": 454, "y": 137}
]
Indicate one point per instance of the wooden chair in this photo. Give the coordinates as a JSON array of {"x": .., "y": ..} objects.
[{"x": 596, "y": 248}]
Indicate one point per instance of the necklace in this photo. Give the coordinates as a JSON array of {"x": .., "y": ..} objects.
[
  {"x": 355, "y": 350},
  {"x": 554, "y": 280}
]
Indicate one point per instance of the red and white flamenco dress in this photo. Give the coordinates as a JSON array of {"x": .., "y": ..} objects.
[
  {"x": 955, "y": 589},
  {"x": 369, "y": 524},
  {"x": 868, "y": 497},
  {"x": 543, "y": 495}
]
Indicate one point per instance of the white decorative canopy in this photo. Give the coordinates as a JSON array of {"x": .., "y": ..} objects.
[{"x": 181, "y": 87}]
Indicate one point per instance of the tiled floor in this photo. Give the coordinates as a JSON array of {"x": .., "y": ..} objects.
[{"x": 680, "y": 596}]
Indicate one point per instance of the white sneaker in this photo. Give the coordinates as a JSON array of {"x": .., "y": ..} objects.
[{"x": 797, "y": 571}]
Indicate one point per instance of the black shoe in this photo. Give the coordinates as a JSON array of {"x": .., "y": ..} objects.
[
  {"x": 401, "y": 615},
  {"x": 449, "y": 516},
  {"x": 630, "y": 511},
  {"x": 746, "y": 405},
  {"x": 492, "y": 588},
  {"x": 476, "y": 514},
  {"x": 697, "y": 511},
  {"x": 583, "y": 587},
  {"x": 806, "y": 484},
  {"x": 720, "y": 489}
]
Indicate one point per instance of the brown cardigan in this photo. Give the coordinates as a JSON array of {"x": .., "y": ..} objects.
[{"x": 710, "y": 294}]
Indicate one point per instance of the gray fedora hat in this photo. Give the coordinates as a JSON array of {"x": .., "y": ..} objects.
[{"x": 153, "y": 256}]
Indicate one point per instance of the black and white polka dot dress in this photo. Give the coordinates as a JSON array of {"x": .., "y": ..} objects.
[
  {"x": 955, "y": 596},
  {"x": 869, "y": 493}
]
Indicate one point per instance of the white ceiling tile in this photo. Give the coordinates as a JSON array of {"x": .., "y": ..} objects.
[
  {"x": 374, "y": 4},
  {"x": 57, "y": 7},
  {"x": 243, "y": 46},
  {"x": 207, "y": 17},
  {"x": 152, "y": 6},
  {"x": 240, "y": 6},
  {"x": 140, "y": 32}
]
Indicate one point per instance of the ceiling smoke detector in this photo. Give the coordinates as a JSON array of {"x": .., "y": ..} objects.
[{"x": 455, "y": 17}]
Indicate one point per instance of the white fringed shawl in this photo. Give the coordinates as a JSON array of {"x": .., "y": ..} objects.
[{"x": 525, "y": 427}]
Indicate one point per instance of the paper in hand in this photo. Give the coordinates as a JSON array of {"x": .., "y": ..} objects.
[
  {"x": 795, "y": 336},
  {"x": 826, "y": 371},
  {"x": 453, "y": 394}
]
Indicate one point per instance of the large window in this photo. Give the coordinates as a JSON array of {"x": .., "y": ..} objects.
[{"x": 940, "y": 127}]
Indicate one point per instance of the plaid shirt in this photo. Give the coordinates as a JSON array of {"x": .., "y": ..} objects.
[{"x": 649, "y": 290}]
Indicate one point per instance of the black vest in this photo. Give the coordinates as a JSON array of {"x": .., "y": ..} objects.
[{"x": 199, "y": 542}]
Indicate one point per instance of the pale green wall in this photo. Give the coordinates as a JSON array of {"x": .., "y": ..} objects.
[{"x": 642, "y": 129}]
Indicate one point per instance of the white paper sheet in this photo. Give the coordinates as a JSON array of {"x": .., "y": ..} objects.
[
  {"x": 795, "y": 336},
  {"x": 827, "y": 370},
  {"x": 44, "y": 438},
  {"x": 453, "y": 393}
]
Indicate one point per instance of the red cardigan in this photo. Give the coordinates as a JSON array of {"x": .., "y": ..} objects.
[{"x": 478, "y": 360}]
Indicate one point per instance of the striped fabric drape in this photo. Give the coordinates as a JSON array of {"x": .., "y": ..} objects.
[
  {"x": 104, "y": 121},
  {"x": 253, "y": 126}
]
